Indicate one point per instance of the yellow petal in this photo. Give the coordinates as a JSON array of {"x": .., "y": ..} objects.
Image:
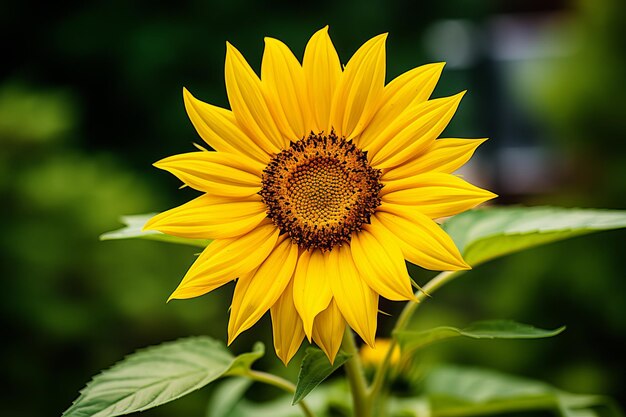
[
  {"x": 311, "y": 290},
  {"x": 226, "y": 259},
  {"x": 380, "y": 262},
  {"x": 407, "y": 90},
  {"x": 359, "y": 89},
  {"x": 259, "y": 290},
  {"x": 412, "y": 132},
  {"x": 435, "y": 194},
  {"x": 286, "y": 89},
  {"x": 286, "y": 326},
  {"x": 422, "y": 241},
  {"x": 322, "y": 70},
  {"x": 245, "y": 95},
  {"x": 443, "y": 155},
  {"x": 203, "y": 218},
  {"x": 216, "y": 173},
  {"x": 328, "y": 330},
  {"x": 218, "y": 127},
  {"x": 356, "y": 300}
]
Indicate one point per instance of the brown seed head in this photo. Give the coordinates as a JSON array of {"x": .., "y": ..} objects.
[{"x": 320, "y": 190}]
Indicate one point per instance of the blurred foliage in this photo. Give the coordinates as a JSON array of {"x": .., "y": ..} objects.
[{"x": 90, "y": 96}]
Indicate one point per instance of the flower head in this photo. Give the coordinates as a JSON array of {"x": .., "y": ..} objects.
[{"x": 323, "y": 181}]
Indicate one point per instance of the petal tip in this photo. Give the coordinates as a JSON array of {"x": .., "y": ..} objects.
[
  {"x": 162, "y": 163},
  {"x": 150, "y": 225},
  {"x": 283, "y": 359},
  {"x": 462, "y": 265},
  {"x": 230, "y": 49},
  {"x": 308, "y": 332},
  {"x": 230, "y": 339},
  {"x": 382, "y": 38},
  {"x": 489, "y": 195},
  {"x": 320, "y": 32}
]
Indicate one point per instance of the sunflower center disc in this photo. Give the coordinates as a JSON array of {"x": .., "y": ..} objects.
[{"x": 320, "y": 190}]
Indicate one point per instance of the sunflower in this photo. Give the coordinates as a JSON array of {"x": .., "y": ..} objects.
[{"x": 322, "y": 182}]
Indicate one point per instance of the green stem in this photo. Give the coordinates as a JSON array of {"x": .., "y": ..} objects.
[
  {"x": 403, "y": 321},
  {"x": 355, "y": 375},
  {"x": 279, "y": 383}
]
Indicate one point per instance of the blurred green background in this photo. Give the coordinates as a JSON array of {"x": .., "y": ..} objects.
[{"x": 90, "y": 96}]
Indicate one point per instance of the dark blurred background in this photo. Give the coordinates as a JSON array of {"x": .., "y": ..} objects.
[{"x": 90, "y": 96}]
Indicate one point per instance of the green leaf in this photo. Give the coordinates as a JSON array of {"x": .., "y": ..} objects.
[
  {"x": 133, "y": 227},
  {"x": 453, "y": 391},
  {"x": 314, "y": 369},
  {"x": 487, "y": 233},
  {"x": 243, "y": 362},
  {"x": 463, "y": 391},
  {"x": 157, "y": 375},
  {"x": 489, "y": 329},
  {"x": 226, "y": 397},
  {"x": 279, "y": 407},
  {"x": 329, "y": 399},
  {"x": 480, "y": 386},
  {"x": 507, "y": 329}
]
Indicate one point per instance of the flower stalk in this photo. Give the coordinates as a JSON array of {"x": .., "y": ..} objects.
[
  {"x": 355, "y": 376},
  {"x": 403, "y": 321},
  {"x": 281, "y": 383}
]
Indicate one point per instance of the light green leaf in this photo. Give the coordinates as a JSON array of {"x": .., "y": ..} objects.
[
  {"x": 489, "y": 329},
  {"x": 243, "y": 362},
  {"x": 314, "y": 369},
  {"x": 133, "y": 227},
  {"x": 453, "y": 391},
  {"x": 487, "y": 233},
  {"x": 277, "y": 408},
  {"x": 479, "y": 386},
  {"x": 330, "y": 399},
  {"x": 460, "y": 391},
  {"x": 157, "y": 375},
  {"x": 226, "y": 397}
]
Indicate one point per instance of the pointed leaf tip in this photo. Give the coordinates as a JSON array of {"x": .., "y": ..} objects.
[{"x": 314, "y": 369}]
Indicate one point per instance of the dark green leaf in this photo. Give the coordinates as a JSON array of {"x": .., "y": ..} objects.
[
  {"x": 314, "y": 369},
  {"x": 135, "y": 223},
  {"x": 491, "y": 232},
  {"x": 157, "y": 375},
  {"x": 490, "y": 329}
]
